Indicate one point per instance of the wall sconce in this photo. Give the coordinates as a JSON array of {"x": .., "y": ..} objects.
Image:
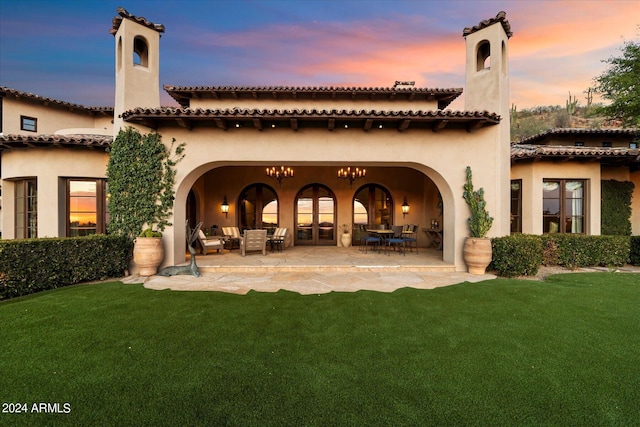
[
  {"x": 405, "y": 207},
  {"x": 225, "y": 207}
]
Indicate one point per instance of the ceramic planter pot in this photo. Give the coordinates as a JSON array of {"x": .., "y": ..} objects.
[
  {"x": 148, "y": 253},
  {"x": 477, "y": 254},
  {"x": 345, "y": 239}
]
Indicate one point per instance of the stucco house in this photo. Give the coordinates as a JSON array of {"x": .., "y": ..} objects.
[{"x": 413, "y": 148}]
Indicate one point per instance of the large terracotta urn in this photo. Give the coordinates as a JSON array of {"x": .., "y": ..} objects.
[
  {"x": 477, "y": 254},
  {"x": 148, "y": 253},
  {"x": 345, "y": 239}
]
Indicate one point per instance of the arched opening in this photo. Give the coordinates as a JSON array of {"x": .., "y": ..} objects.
[
  {"x": 315, "y": 213},
  {"x": 258, "y": 208},
  {"x": 372, "y": 207},
  {"x": 119, "y": 54},
  {"x": 140, "y": 52},
  {"x": 483, "y": 56}
]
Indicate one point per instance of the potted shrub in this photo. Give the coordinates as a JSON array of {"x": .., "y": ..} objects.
[
  {"x": 477, "y": 247},
  {"x": 345, "y": 236},
  {"x": 141, "y": 177}
]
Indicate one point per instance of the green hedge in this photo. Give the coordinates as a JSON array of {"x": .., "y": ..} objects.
[
  {"x": 517, "y": 255},
  {"x": 616, "y": 207},
  {"x": 634, "y": 256},
  {"x": 32, "y": 265},
  {"x": 522, "y": 254}
]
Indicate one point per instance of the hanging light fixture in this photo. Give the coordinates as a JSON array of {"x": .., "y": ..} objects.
[
  {"x": 225, "y": 207},
  {"x": 351, "y": 174},
  {"x": 405, "y": 207},
  {"x": 280, "y": 173}
]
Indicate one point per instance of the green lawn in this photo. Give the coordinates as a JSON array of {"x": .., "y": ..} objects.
[{"x": 502, "y": 352}]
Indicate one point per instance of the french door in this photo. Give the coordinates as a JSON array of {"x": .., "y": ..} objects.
[{"x": 315, "y": 216}]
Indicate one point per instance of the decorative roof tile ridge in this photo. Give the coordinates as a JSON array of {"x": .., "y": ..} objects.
[
  {"x": 580, "y": 131},
  {"x": 310, "y": 89},
  {"x": 139, "y": 19},
  {"x": 4, "y": 91},
  {"x": 100, "y": 139},
  {"x": 501, "y": 17},
  {"x": 306, "y": 111}
]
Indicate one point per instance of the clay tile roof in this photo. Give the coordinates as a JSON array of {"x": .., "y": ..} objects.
[
  {"x": 501, "y": 17},
  {"x": 182, "y": 94},
  {"x": 558, "y": 132},
  {"x": 140, "y": 20},
  {"x": 8, "y": 92},
  {"x": 435, "y": 120},
  {"x": 522, "y": 152},
  {"x": 66, "y": 141}
]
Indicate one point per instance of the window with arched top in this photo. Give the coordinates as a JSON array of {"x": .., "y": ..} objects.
[
  {"x": 372, "y": 206},
  {"x": 140, "y": 52},
  {"x": 258, "y": 207},
  {"x": 483, "y": 56}
]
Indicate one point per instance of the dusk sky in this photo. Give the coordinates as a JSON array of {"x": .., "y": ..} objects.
[{"x": 63, "y": 50}]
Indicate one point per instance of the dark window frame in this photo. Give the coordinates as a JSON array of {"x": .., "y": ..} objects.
[
  {"x": 27, "y": 127},
  {"x": 562, "y": 218},
  {"x": 26, "y": 206},
  {"x": 516, "y": 217},
  {"x": 102, "y": 212}
]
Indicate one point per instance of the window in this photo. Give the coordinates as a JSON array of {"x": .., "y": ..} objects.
[
  {"x": 579, "y": 144},
  {"x": 607, "y": 144},
  {"x": 86, "y": 207},
  {"x": 26, "y": 202},
  {"x": 258, "y": 207},
  {"x": 30, "y": 124},
  {"x": 563, "y": 204},
  {"x": 516, "y": 206},
  {"x": 633, "y": 145}
]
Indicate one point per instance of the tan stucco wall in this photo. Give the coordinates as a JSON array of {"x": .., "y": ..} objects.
[
  {"x": 532, "y": 176},
  {"x": 308, "y": 104},
  {"x": 48, "y": 166},
  {"x": 50, "y": 118}
]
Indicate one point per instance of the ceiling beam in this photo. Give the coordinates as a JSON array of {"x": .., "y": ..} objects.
[
  {"x": 474, "y": 126},
  {"x": 257, "y": 123},
  {"x": 331, "y": 124},
  {"x": 294, "y": 123},
  {"x": 367, "y": 124}
]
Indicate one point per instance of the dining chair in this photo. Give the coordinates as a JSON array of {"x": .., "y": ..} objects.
[
  {"x": 395, "y": 240},
  {"x": 410, "y": 236}
]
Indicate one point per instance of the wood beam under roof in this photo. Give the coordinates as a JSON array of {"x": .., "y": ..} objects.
[
  {"x": 221, "y": 123},
  {"x": 184, "y": 123},
  {"x": 367, "y": 124},
  {"x": 257, "y": 123},
  {"x": 439, "y": 125},
  {"x": 331, "y": 124},
  {"x": 474, "y": 126},
  {"x": 294, "y": 123},
  {"x": 404, "y": 125}
]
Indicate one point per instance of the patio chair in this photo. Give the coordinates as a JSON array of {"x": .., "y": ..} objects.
[
  {"x": 231, "y": 234},
  {"x": 410, "y": 236},
  {"x": 254, "y": 240},
  {"x": 207, "y": 243},
  {"x": 396, "y": 240},
  {"x": 370, "y": 239},
  {"x": 276, "y": 240}
]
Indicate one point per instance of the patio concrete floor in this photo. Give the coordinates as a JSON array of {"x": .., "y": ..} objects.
[{"x": 314, "y": 270}]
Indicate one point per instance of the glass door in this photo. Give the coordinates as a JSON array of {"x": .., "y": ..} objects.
[{"x": 315, "y": 216}]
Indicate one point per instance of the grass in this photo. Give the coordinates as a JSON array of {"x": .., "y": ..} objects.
[{"x": 502, "y": 352}]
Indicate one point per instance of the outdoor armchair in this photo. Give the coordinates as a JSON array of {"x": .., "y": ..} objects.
[{"x": 254, "y": 240}]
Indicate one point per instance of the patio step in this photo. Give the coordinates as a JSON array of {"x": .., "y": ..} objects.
[{"x": 327, "y": 268}]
